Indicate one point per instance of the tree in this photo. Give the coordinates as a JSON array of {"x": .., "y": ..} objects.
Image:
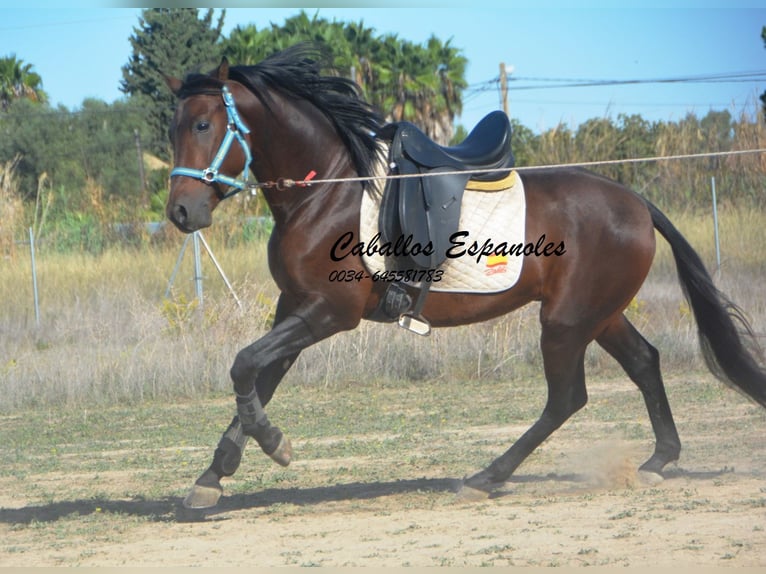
[
  {"x": 92, "y": 146},
  {"x": 170, "y": 41},
  {"x": 17, "y": 81},
  {"x": 246, "y": 45},
  {"x": 405, "y": 81},
  {"x": 448, "y": 67}
]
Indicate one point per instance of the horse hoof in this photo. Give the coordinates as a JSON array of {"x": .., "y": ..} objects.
[
  {"x": 283, "y": 454},
  {"x": 201, "y": 497},
  {"x": 469, "y": 494},
  {"x": 650, "y": 478},
  {"x": 478, "y": 487}
]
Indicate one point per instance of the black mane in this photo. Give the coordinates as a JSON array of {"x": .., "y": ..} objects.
[{"x": 296, "y": 72}]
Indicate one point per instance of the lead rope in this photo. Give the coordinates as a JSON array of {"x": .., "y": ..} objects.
[{"x": 284, "y": 183}]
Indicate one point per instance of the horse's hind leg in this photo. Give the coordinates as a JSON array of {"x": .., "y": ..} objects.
[
  {"x": 563, "y": 349},
  {"x": 641, "y": 362}
]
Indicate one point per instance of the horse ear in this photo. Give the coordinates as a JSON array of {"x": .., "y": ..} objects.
[
  {"x": 173, "y": 83},
  {"x": 222, "y": 72}
]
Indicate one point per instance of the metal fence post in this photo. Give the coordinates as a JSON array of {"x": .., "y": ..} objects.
[
  {"x": 715, "y": 227},
  {"x": 34, "y": 277}
]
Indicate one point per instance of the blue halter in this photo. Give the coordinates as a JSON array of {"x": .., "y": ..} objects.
[{"x": 236, "y": 129}]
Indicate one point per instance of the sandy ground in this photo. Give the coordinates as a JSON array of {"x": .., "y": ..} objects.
[{"x": 578, "y": 502}]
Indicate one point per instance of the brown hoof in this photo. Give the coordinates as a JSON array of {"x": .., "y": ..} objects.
[
  {"x": 283, "y": 453},
  {"x": 470, "y": 494},
  {"x": 649, "y": 478},
  {"x": 200, "y": 497}
]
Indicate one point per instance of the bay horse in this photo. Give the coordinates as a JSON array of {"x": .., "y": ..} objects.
[{"x": 284, "y": 118}]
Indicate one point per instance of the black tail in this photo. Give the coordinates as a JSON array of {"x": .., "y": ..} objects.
[{"x": 727, "y": 340}]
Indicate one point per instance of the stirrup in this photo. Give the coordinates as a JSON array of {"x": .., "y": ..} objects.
[
  {"x": 415, "y": 324},
  {"x": 414, "y": 321}
]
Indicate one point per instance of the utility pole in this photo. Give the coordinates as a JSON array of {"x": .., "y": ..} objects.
[
  {"x": 141, "y": 174},
  {"x": 504, "y": 71},
  {"x": 504, "y": 87}
]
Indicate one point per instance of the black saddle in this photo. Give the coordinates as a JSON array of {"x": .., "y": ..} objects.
[
  {"x": 487, "y": 147},
  {"x": 427, "y": 208},
  {"x": 424, "y": 207}
]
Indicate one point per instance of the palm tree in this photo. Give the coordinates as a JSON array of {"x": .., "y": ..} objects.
[
  {"x": 450, "y": 66},
  {"x": 17, "y": 81},
  {"x": 359, "y": 45},
  {"x": 246, "y": 45},
  {"x": 405, "y": 81},
  {"x": 420, "y": 84}
]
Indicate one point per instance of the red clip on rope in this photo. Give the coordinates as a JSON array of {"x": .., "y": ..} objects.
[
  {"x": 309, "y": 176},
  {"x": 285, "y": 183}
]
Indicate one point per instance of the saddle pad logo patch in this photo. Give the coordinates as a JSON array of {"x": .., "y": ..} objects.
[{"x": 496, "y": 264}]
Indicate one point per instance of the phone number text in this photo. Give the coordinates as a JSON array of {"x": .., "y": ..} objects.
[{"x": 406, "y": 276}]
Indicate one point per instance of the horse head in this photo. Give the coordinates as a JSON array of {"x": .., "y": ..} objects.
[{"x": 211, "y": 147}]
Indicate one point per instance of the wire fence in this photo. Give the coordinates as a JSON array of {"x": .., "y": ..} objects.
[{"x": 197, "y": 237}]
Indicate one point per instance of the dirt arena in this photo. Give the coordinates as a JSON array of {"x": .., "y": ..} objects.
[{"x": 577, "y": 500}]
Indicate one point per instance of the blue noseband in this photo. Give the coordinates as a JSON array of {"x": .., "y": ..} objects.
[{"x": 235, "y": 130}]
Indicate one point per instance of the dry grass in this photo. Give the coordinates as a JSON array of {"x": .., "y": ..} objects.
[
  {"x": 109, "y": 336},
  {"x": 11, "y": 208}
]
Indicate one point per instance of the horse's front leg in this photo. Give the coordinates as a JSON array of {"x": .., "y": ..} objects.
[
  {"x": 256, "y": 372},
  {"x": 228, "y": 454}
]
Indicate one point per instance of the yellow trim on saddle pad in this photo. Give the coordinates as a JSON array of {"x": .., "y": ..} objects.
[{"x": 508, "y": 181}]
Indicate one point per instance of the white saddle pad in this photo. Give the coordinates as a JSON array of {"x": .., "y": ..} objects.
[{"x": 486, "y": 253}]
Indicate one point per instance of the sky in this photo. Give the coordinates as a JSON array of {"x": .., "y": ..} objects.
[{"x": 79, "y": 50}]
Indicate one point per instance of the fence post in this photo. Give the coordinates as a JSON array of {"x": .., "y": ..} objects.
[
  {"x": 141, "y": 174},
  {"x": 715, "y": 227},
  {"x": 34, "y": 277}
]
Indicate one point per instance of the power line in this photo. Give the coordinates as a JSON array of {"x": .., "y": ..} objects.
[
  {"x": 603, "y": 104},
  {"x": 473, "y": 91},
  {"x": 543, "y": 83},
  {"x": 696, "y": 77}
]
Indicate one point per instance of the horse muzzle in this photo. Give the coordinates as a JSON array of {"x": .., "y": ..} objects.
[{"x": 190, "y": 214}]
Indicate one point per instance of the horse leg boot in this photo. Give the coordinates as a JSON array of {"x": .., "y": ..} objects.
[
  {"x": 256, "y": 424},
  {"x": 251, "y": 420},
  {"x": 207, "y": 489},
  {"x": 284, "y": 341},
  {"x": 228, "y": 454}
]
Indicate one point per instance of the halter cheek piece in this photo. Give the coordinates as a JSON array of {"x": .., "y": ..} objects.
[{"x": 235, "y": 130}]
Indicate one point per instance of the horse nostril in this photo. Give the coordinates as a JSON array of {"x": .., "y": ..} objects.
[
  {"x": 180, "y": 214},
  {"x": 189, "y": 214}
]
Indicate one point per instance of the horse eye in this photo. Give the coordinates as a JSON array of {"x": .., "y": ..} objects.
[{"x": 202, "y": 126}]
